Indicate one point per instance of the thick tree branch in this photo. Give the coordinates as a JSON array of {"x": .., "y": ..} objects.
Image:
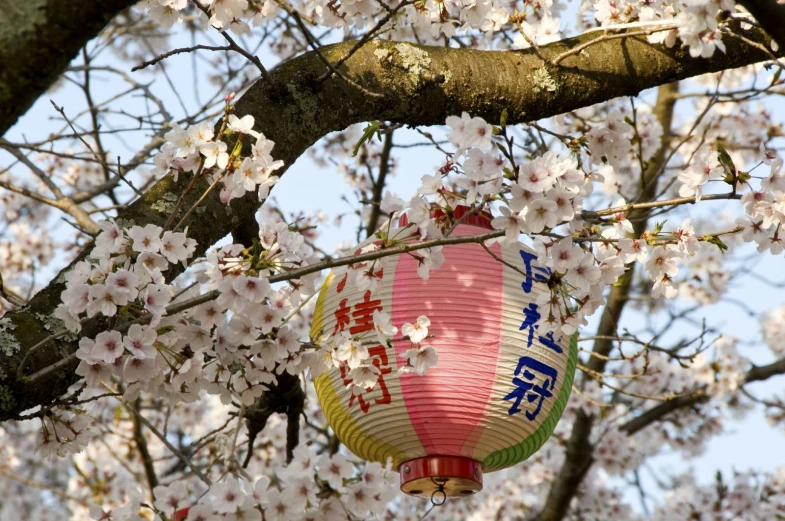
[
  {"x": 38, "y": 38},
  {"x": 421, "y": 86},
  {"x": 284, "y": 397}
]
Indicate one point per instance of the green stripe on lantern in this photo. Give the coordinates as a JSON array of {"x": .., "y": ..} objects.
[{"x": 510, "y": 456}]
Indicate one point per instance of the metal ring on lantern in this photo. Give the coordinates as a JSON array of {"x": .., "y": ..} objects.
[
  {"x": 439, "y": 482},
  {"x": 441, "y": 491}
]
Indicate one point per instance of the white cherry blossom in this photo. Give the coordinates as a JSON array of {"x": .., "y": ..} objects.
[
  {"x": 242, "y": 125},
  {"x": 418, "y": 330},
  {"x": 420, "y": 359}
]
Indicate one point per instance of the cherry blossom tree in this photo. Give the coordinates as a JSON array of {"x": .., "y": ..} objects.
[{"x": 156, "y": 358}]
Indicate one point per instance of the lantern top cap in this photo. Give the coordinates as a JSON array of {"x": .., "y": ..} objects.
[{"x": 466, "y": 214}]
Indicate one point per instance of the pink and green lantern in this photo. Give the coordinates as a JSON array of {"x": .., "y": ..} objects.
[{"x": 498, "y": 389}]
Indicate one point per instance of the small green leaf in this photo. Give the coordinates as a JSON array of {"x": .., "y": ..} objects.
[
  {"x": 726, "y": 161},
  {"x": 374, "y": 127},
  {"x": 777, "y": 75},
  {"x": 713, "y": 239},
  {"x": 503, "y": 120}
]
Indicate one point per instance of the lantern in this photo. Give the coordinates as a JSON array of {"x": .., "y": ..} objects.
[{"x": 498, "y": 388}]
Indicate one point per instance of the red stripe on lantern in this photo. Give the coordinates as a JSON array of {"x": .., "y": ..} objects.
[{"x": 463, "y": 300}]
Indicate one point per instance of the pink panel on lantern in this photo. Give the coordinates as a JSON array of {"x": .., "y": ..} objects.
[{"x": 463, "y": 300}]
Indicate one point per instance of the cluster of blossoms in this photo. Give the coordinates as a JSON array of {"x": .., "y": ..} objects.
[
  {"x": 773, "y": 329},
  {"x": 353, "y": 351},
  {"x": 656, "y": 375},
  {"x": 233, "y": 344},
  {"x": 765, "y": 208},
  {"x": 311, "y": 487},
  {"x": 544, "y": 196},
  {"x": 694, "y": 22},
  {"x": 645, "y": 379},
  {"x": 124, "y": 277},
  {"x": 437, "y": 17},
  {"x": 224, "y": 14},
  {"x": 612, "y": 144},
  {"x": 65, "y": 432},
  {"x": 750, "y": 497},
  {"x": 194, "y": 150},
  {"x": 74, "y": 173},
  {"x": 125, "y": 266},
  {"x": 612, "y": 148},
  {"x": 178, "y": 355},
  {"x": 26, "y": 248},
  {"x": 541, "y": 24}
]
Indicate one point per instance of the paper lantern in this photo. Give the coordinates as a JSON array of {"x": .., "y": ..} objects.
[{"x": 498, "y": 389}]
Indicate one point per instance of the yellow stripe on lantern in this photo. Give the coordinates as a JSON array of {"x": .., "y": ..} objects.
[
  {"x": 363, "y": 433},
  {"x": 346, "y": 428},
  {"x": 318, "y": 311}
]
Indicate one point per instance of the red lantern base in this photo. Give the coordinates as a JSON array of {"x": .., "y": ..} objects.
[{"x": 440, "y": 477}]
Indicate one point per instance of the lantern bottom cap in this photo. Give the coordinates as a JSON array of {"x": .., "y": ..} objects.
[{"x": 440, "y": 477}]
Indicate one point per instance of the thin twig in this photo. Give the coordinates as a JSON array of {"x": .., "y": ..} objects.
[
  {"x": 42, "y": 486},
  {"x": 197, "y": 203},
  {"x": 98, "y": 158},
  {"x": 313, "y": 44},
  {"x": 586, "y": 214},
  {"x": 43, "y": 176},
  {"x": 236, "y": 48},
  {"x": 62, "y": 202},
  {"x": 161, "y": 437},
  {"x": 180, "y": 51},
  {"x": 605, "y": 37},
  {"x": 533, "y": 45}
]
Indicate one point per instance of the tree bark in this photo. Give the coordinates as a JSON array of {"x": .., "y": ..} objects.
[
  {"x": 770, "y": 15},
  {"x": 420, "y": 86},
  {"x": 38, "y": 39}
]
